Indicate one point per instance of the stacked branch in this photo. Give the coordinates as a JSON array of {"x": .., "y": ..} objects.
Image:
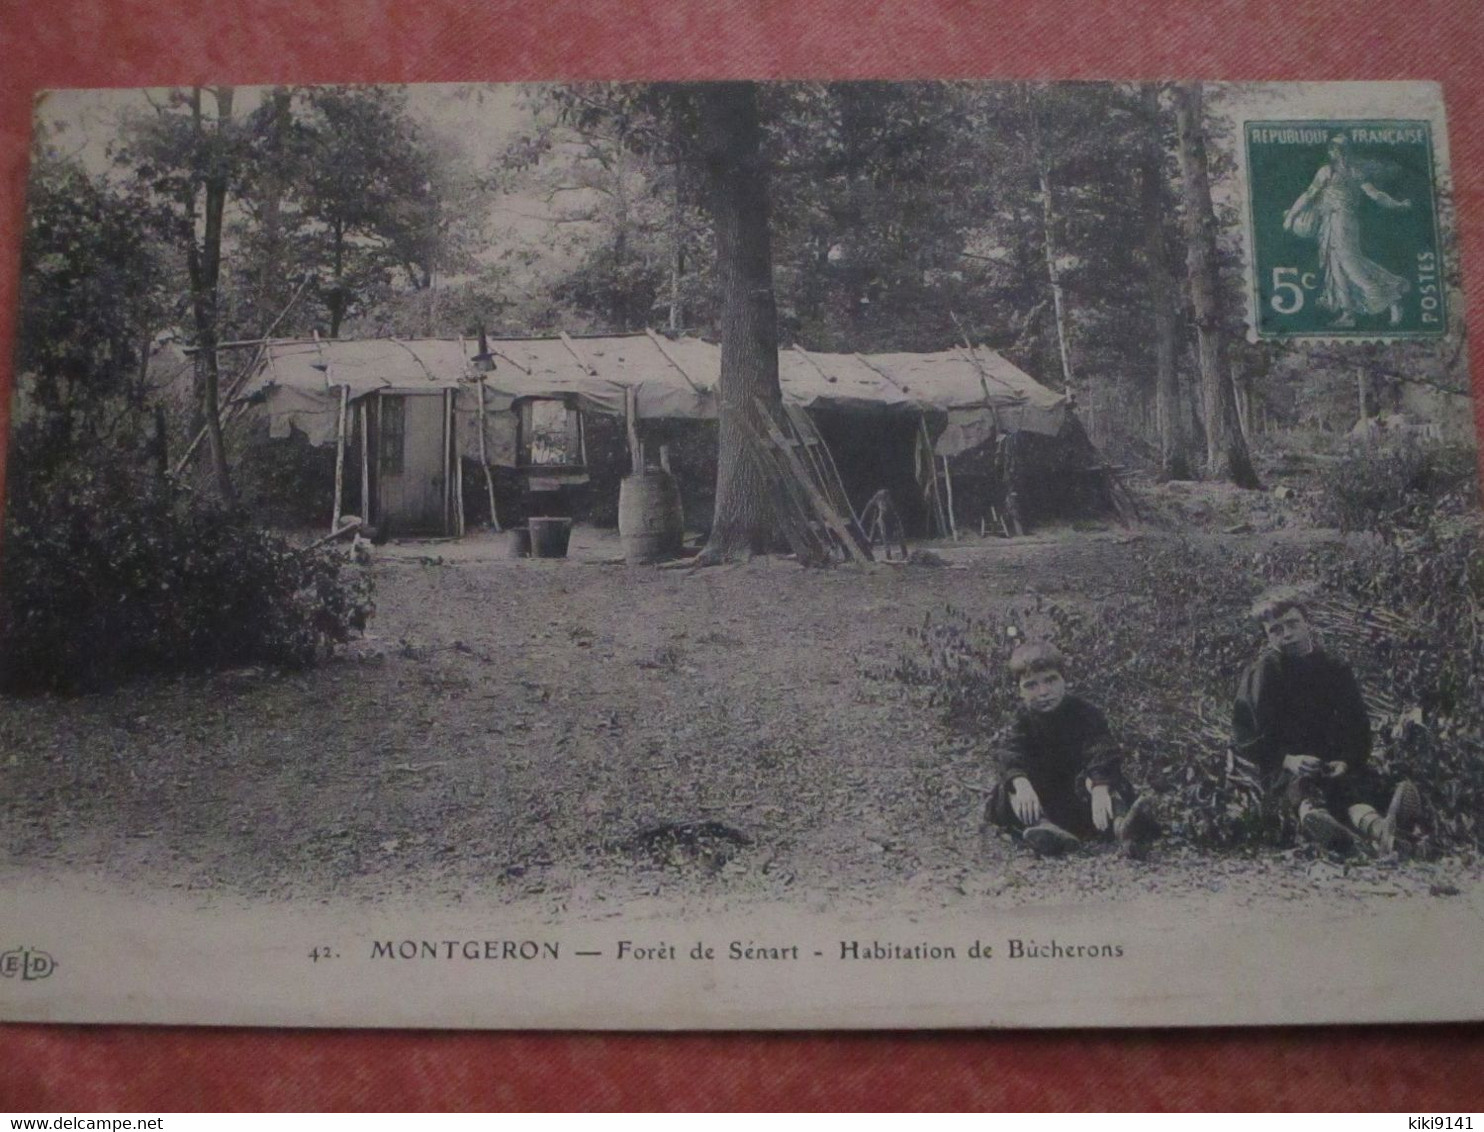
[{"x": 801, "y": 493}]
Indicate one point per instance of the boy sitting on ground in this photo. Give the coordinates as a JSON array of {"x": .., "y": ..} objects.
[
  {"x": 1300, "y": 717},
  {"x": 1061, "y": 778}
]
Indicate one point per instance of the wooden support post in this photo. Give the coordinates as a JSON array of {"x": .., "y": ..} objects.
[
  {"x": 449, "y": 523},
  {"x": 631, "y": 425},
  {"x": 340, "y": 455},
  {"x": 665, "y": 458},
  {"x": 948, "y": 483},
  {"x": 364, "y": 411},
  {"x": 458, "y": 483},
  {"x": 484, "y": 459}
]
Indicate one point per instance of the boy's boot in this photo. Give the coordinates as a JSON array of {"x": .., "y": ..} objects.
[
  {"x": 1136, "y": 828},
  {"x": 1321, "y": 826},
  {"x": 1401, "y": 818},
  {"x": 1048, "y": 839}
]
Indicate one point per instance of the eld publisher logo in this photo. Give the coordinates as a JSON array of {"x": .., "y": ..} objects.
[{"x": 27, "y": 963}]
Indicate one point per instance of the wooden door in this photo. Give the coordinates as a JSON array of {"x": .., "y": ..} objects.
[{"x": 412, "y": 463}]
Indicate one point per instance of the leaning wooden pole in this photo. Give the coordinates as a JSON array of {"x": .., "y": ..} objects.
[
  {"x": 932, "y": 469},
  {"x": 948, "y": 484},
  {"x": 484, "y": 461},
  {"x": 340, "y": 455},
  {"x": 263, "y": 347}
]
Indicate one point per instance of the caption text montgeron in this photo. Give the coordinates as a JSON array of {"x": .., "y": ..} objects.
[{"x": 744, "y": 951}]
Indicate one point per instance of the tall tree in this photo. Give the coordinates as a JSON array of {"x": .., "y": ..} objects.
[
  {"x": 738, "y": 176},
  {"x": 349, "y": 187},
  {"x": 1042, "y": 163},
  {"x": 204, "y": 262},
  {"x": 266, "y": 257},
  {"x": 1063, "y": 289},
  {"x": 617, "y": 172},
  {"x": 870, "y": 195},
  {"x": 93, "y": 293},
  {"x": 1226, "y": 448},
  {"x": 188, "y": 156},
  {"x": 1164, "y": 295}
]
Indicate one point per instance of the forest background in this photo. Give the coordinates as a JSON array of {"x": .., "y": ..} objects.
[
  {"x": 1049, "y": 222},
  {"x": 1091, "y": 232}
]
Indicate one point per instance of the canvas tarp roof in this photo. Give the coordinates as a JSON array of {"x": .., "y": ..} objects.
[{"x": 299, "y": 382}]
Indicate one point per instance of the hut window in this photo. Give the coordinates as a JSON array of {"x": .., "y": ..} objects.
[
  {"x": 550, "y": 434},
  {"x": 393, "y": 435}
]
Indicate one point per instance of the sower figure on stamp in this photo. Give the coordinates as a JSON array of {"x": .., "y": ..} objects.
[
  {"x": 1299, "y": 716},
  {"x": 1060, "y": 773},
  {"x": 1329, "y": 211}
]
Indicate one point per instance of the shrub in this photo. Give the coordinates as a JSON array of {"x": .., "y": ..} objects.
[
  {"x": 1410, "y": 615},
  {"x": 1401, "y": 484},
  {"x": 1162, "y": 657},
  {"x": 290, "y": 482},
  {"x": 109, "y": 573}
]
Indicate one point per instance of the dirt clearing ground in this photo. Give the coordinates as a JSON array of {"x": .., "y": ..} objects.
[{"x": 533, "y": 732}]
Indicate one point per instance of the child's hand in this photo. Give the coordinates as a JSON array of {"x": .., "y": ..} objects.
[
  {"x": 1305, "y": 766},
  {"x": 1025, "y": 801},
  {"x": 1335, "y": 769},
  {"x": 1102, "y": 808}
]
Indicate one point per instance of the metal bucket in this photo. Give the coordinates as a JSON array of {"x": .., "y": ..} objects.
[
  {"x": 518, "y": 542},
  {"x": 550, "y": 537}
]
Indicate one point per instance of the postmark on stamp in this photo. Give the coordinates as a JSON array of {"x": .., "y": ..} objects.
[{"x": 1343, "y": 228}]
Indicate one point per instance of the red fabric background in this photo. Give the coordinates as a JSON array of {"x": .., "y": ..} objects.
[{"x": 71, "y": 43}]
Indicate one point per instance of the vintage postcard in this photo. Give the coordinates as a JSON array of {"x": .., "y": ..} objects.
[{"x": 742, "y": 555}]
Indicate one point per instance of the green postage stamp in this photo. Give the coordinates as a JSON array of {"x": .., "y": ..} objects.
[{"x": 1344, "y": 229}]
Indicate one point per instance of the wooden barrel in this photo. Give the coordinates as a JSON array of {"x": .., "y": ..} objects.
[{"x": 650, "y": 525}]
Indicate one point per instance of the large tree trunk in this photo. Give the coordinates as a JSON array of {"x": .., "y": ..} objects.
[
  {"x": 204, "y": 264},
  {"x": 1164, "y": 297},
  {"x": 1226, "y": 450},
  {"x": 749, "y": 323}
]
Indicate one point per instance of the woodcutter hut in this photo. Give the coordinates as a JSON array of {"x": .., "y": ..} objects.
[{"x": 425, "y": 429}]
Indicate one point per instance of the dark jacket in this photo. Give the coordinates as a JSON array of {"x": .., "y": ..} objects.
[
  {"x": 1305, "y": 705},
  {"x": 1059, "y": 752}
]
